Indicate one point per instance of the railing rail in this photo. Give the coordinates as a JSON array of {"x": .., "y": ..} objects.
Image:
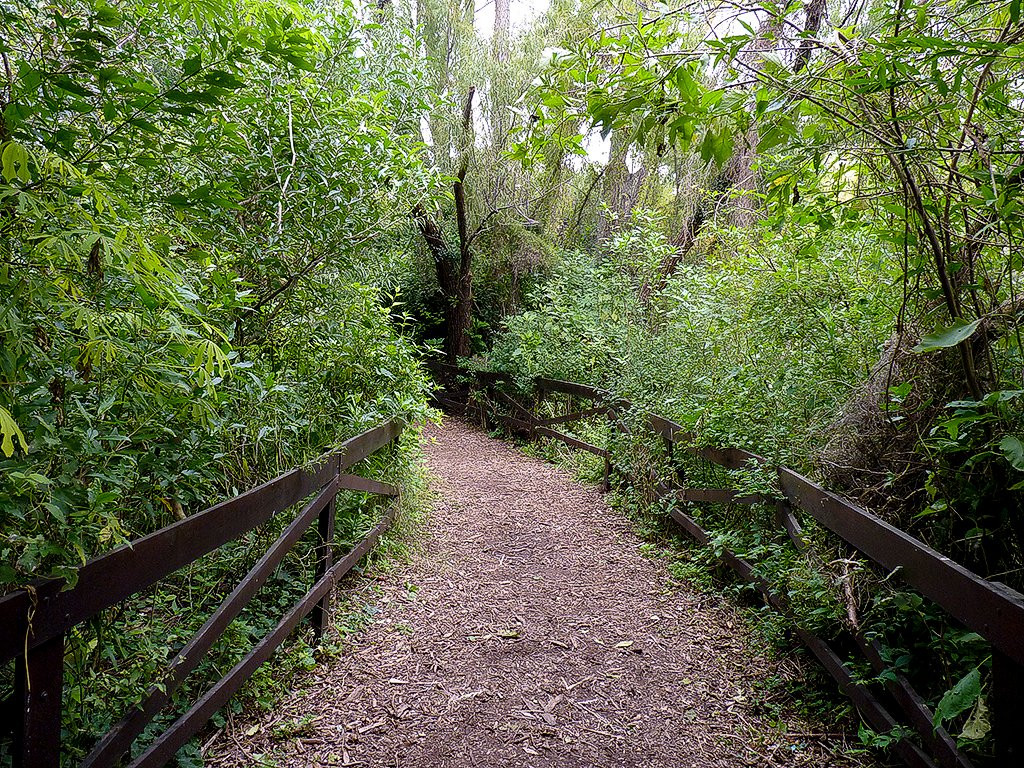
[
  {"x": 33, "y": 621},
  {"x": 991, "y": 609}
]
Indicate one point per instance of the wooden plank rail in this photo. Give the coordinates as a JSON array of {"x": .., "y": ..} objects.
[
  {"x": 33, "y": 621},
  {"x": 571, "y": 388},
  {"x": 717, "y": 496},
  {"x": 574, "y": 416},
  {"x": 995, "y": 612},
  {"x": 111, "y": 578},
  {"x": 175, "y": 737},
  {"x": 524, "y": 418},
  {"x": 571, "y": 441},
  {"x": 118, "y": 740},
  {"x": 921, "y": 717},
  {"x": 991, "y": 609}
]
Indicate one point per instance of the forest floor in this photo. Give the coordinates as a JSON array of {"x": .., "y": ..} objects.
[{"x": 529, "y": 630}]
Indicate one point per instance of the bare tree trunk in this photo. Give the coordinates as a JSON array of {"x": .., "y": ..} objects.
[
  {"x": 744, "y": 177},
  {"x": 462, "y": 311},
  {"x": 456, "y": 286},
  {"x": 741, "y": 170},
  {"x": 498, "y": 118},
  {"x": 814, "y": 11},
  {"x": 454, "y": 267},
  {"x": 7, "y": 95},
  {"x": 501, "y": 25}
]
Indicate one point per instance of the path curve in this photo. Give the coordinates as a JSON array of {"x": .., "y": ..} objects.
[{"x": 529, "y": 631}]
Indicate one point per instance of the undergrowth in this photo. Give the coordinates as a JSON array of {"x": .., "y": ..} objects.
[
  {"x": 112, "y": 660},
  {"x": 800, "y": 690}
]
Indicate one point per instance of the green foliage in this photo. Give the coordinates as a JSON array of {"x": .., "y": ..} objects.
[
  {"x": 959, "y": 698},
  {"x": 882, "y": 159},
  {"x": 614, "y": 79},
  {"x": 180, "y": 318},
  {"x": 208, "y": 277},
  {"x": 757, "y": 351},
  {"x": 186, "y": 194},
  {"x": 574, "y": 326}
]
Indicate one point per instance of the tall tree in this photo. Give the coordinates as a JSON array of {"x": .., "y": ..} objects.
[{"x": 454, "y": 264}]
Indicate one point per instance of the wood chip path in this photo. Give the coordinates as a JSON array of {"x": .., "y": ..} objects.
[{"x": 528, "y": 631}]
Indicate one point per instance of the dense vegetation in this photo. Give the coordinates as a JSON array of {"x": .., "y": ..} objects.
[
  {"x": 231, "y": 231},
  {"x": 185, "y": 204}
]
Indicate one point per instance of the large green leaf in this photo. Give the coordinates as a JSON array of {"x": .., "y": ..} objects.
[
  {"x": 9, "y": 431},
  {"x": 14, "y": 161},
  {"x": 959, "y": 698},
  {"x": 948, "y": 336},
  {"x": 1013, "y": 450}
]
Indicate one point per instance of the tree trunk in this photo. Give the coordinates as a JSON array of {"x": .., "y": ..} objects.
[
  {"x": 456, "y": 286},
  {"x": 741, "y": 170},
  {"x": 462, "y": 310},
  {"x": 685, "y": 239},
  {"x": 496, "y": 114},
  {"x": 461, "y": 318},
  {"x": 501, "y": 27},
  {"x": 621, "y": 188},
  {"x": 454, "y": 267},
  {"x": 814, "y": 12},
  {"x": 6, "y": 95}
]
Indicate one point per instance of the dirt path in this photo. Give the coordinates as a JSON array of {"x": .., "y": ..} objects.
[{"x": 529, "y": 632}]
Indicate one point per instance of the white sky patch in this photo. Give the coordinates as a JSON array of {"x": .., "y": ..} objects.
[
  {"x": 598, "y": 149},
  {"x": 522, "y": 13},
  {"x": 428, "y": 137}
]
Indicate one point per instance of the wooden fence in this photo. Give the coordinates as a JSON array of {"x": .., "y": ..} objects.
[
  {"x": 33, "y": 622},
  {"x": 991, "y": 609}
]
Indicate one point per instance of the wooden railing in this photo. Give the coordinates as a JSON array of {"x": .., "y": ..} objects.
[
  {"x": 991, "y": 609},
  {"x": 33, "y": 621}
]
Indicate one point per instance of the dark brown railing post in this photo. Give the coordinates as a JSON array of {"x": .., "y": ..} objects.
[
  {"x": 39, "y": 687},
  {"x": 670, "y": 456},
  {"x": 679, "y": 472},
  {"x": 1007, "y": 706},
  {"x": 321, "y": 614},
  {"x": 613, "y": 435}
]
